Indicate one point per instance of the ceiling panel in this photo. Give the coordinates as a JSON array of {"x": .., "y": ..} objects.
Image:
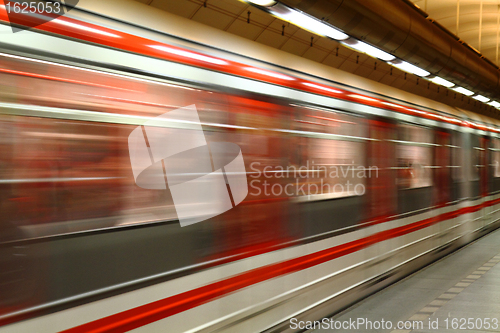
[
  {"x": 315, "y": 54},
  {"x": 271, "y": 38},
  {"x": 213, "y": 18},
  {"x": 181, "y": 8},
  {"x": 295, "y": 47},
  {"x": 474, "y": 21},
  {"x": 243, "y": 29}
]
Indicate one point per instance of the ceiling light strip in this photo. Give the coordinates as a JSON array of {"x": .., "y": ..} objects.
[{"x": 318, "y": 27}]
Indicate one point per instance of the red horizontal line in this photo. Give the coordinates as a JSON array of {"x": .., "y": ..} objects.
[
  {"x": 140, "y": 45},
  {"x": 149, "y": 313},
  {"x": 55, "y": 78}
]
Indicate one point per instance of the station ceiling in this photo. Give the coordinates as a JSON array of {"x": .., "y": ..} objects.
[
  {"x": 477, "y": 22},
  {"x": 244, "y": 20}
]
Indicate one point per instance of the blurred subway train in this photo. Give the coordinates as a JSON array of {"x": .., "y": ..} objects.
[{"x": 351, "y": 185}]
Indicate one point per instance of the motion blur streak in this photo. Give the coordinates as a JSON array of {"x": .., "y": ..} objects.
[{"x": 347, "y": 191}]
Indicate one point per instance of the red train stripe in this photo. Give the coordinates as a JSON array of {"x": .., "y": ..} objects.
[
  {"x": 54, "y": 78},
  {"x": 149, "y": 313},
  {"x": 80, "y": 30}
]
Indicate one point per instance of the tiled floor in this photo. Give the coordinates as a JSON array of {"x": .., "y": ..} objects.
[{"x": 441, "y": 297}]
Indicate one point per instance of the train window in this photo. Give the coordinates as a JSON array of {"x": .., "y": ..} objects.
[
  {"x": 61, "y": 167},
  {"x": 495, "y": 157},
  {"x": 64, "y": 175},
  {"x": 414, "y": 156},
  {"x": 335, "y": 160}
]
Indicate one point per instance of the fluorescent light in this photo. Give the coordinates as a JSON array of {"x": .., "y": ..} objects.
[
  {"x": 481, "y": 98},
  {"x": 371, "y": 50},
  {"x": 188, "y": 54},
  {"x": 464, "y": 91},
  {"x": 364, "y": 98},
  {"x": 407, "y": 67},
  {"x": 442, "y": 82},
  {"x": 322, "y": 88},
  {"x": 82, "y": 27},
  {"x": 269, "y": 73},
  {"x": 263, "y": 3},
  {"x": 311, "y": 23},
  {"x": 495, "y": 104}
]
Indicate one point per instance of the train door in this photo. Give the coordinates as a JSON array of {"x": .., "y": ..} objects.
[
  {"x": 442, "y": 161},
  {"x": 260, "y": 221},
  {"x": 474, "y": 158},
  {"x": 495, "y": 165},
  {"x": 484, "y": 174},
  {"x": 484, "y": 177},
  {"x": 381, "y": 188},
  {"x": 458, "y": 183}
]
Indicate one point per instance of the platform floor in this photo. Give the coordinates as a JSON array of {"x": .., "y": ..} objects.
[{"x": 441, "y": 297}]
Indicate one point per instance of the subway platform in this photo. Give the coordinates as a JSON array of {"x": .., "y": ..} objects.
[{"x": 459, "y": 293}]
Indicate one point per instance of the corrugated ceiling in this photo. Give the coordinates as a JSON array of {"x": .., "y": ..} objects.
[{"x": 477, "y": 22}]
